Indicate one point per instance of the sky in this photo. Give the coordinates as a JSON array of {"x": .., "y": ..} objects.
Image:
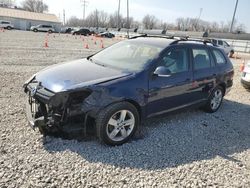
[{"x": 165, "y": 10}]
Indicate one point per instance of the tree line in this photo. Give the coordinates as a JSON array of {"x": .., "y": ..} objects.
[
  {"x": 99, "y": 18},
  {"x": 102, "y": 19}
]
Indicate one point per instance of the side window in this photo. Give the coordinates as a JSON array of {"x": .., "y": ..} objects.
[
  {"x": 220, "y": 59},
  {"x": 176, "y": 60},
  {"x": 220, "y": 42},
  {"x": 214, "y": 41},
  {"x": 201, "y": 59}
]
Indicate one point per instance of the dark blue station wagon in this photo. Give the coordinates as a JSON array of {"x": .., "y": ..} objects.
[{"x": 118, "y": 88}]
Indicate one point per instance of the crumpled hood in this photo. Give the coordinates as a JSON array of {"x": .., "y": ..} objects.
[{"x": 76, "y": 74}]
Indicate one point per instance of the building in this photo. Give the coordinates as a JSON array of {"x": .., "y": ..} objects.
[{"x": 23, "y": 20}]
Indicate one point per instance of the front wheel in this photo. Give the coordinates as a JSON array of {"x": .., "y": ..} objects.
[
  {"x": 215, "y": 100},
  {"x": 117, "y": 123}
]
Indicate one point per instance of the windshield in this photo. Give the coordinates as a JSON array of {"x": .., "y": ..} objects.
[{"x": 127, "y": 55}]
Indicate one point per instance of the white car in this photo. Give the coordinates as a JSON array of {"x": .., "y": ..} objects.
[
  {"x": 6, "y": 25},
  {"x": 245, "y": 78},
  {"x": 224, "y": 45},
  {"x": 44, "y": 28}
]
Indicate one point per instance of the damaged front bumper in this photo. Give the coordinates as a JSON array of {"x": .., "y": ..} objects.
[
  {"x": 55, "y": 112},
  {"x": 31, "y": 111}
]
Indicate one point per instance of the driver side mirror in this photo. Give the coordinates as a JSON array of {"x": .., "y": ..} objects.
[{"x": 162, "y": 71}]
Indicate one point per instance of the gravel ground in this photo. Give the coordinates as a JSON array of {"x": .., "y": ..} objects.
[{"x": 185, "y": 149}]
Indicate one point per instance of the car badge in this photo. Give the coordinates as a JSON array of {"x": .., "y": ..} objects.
[{"x": 33, "y": 91}]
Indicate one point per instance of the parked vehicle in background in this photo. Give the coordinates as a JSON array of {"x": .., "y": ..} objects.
[
  {"x": 42, "y": 28},
  {"x": 229, "y": 50},
  {"x": 106, "y": 35},
  {"x": 6, "y": 25},
  {"x": 66, "y": 30},
  {"x": 118, "y": 88},
  {"x": 245, "y": 78},
  {"x": 81, "y": 31}
]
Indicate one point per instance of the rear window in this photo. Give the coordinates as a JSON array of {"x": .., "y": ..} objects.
[
  {"x": 219, "y": 57},
  {"x": 201, "y": 59}
]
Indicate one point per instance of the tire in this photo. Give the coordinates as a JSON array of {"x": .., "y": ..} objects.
[
  {"x": 110, "y": 123},
  {"x": 35, "y": 30},
  {"x": 215, "y": 100},
  {"x": 50, "y": 31},
  {"x": 231, "y": 53},
  {"x": 9, "y": 28}
]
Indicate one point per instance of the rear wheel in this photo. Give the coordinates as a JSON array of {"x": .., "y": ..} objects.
[
  {"x": 231, "y": 53},
  {"x": 117, "y": 123},
  {"x": 9, "y": 28},
  {"x": 215, "y": 100},
  {"x": 35, "y": 30}
]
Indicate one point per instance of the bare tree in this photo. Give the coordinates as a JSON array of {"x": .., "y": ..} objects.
[
  {"x": 149, "y": 21},
  {"x": 7, "y": 3},
  {"x": 34, "y": 6},
  {"x": 74, "y": 22}
]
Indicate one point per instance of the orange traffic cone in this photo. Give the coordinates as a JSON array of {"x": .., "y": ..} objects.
[
  {"x": 46, "y": 43},
  {"x": 87, "y": 46},
  {"x": 102, "y": 46},
  {"x": 242, "y": 66}
]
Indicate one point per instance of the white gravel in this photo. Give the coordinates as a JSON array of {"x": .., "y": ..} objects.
[{"x": 184, "y": 149}]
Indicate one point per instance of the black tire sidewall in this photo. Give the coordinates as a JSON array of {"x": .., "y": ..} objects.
[
  {"x": 106, "y": 114},
  {"x": 208, "y": 106}
]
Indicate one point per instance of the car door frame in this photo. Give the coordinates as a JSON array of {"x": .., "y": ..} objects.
[
  {"x": 206, "y": 84},
  {"x": 152, "y": 93}
]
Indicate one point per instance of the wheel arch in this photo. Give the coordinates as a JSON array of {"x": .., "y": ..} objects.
[{"x": 223, "y": 85}]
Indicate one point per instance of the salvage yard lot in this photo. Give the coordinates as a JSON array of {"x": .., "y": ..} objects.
[{"x": 190, "y": 148}]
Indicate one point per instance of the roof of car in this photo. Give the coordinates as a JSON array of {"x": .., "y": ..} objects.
[
  {"x": 155, "y": 41},
  {"x": 164, "y": 41}
]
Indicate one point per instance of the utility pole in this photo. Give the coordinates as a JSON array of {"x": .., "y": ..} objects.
[
  {"x": 232, "y": 24},
  {"x": 84, "y": 4},
  {"x": 118, "y": 14},
  {"x": 63, "y": 16},
  {"x": 128, "y": 17},
  {"x": 198, "y": 19}
]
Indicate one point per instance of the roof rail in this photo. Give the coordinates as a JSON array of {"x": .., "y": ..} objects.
[
  {"x": 166, "y": 36},
  {"x": 193, "y": 40}
]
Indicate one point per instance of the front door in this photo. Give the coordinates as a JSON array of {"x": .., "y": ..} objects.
[{"x": 172, "y": 91}]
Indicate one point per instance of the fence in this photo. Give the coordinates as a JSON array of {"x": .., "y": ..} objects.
[{"x": 240, "y": 45}]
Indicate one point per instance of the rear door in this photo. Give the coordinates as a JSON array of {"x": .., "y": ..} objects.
[
  {"x": 169, "y": 93},
  {"x": 203, "y": 72}
]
